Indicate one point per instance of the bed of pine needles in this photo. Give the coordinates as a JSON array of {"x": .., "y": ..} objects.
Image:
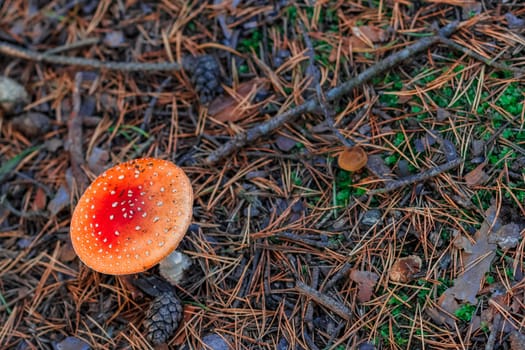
[{"x": 289, "y": 251}]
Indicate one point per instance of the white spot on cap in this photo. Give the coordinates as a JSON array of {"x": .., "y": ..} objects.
[
  {"x": 111, "y": 217},
  {"x": 160, "y": 203},
  {"x": 156, "y": 218},
  {"x": 114, "y": 205},
  {"x": 117, "y": 233},
  {"x": 121, "y": 177},
  {"x": 137, "y": 228},
  {"x": 113, "y": 193}
]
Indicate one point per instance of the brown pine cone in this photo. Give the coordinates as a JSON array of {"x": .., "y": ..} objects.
[
  {"x": 205, "y": 76},
  {"x": 163, "y": 318}
]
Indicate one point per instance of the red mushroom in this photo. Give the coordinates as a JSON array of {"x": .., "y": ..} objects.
[{"x": 132, "y": 216}]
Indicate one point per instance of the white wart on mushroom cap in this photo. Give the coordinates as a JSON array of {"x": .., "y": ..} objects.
[{"x": 132, "y": 216}]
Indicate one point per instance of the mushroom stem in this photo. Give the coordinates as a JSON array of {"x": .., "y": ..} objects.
[{"x": 172, "y": 267}]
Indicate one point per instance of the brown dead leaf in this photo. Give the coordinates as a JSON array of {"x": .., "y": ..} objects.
[
  {"x": 405, "y": 268},
  {"x": 40, "y": 200},
  {"x": 67, "y": 253},
  {"x": 477, "y": 176},
  {"x": 188, "y": 312},
  {"x": 517, "y": 341},
  {"x": 476, "y": 264},
  {"x": 366, "y": 282},
  {"x": 357, "y": 45},
  {"x": 370, "y": 34},
  {"x": 462, "y": 242},
  {"x": 237, "y": 105},
  {"x": 508, "y": 236}
]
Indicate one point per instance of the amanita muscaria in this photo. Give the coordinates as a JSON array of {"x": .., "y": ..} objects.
[{"x": 132, "y": 216}]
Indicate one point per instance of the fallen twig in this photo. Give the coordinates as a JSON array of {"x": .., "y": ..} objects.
[
  {"x": 325, "y": 300},
  {"x": 496, "y": 325},
  {"x": 342, "y": 273},
  {"x": 312, "y": 242},
  {"x": 74, "y": 138},
  {"x": 20, "y": 52},
  {"x": 266, "y": 127},
  {"x": 313, "y": 70},
  {"x": 422, "y": 176},
  {"x": 152, "y": 103}
]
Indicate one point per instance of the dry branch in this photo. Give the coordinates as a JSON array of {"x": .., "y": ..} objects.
[
  {"x": 20, "y": 52},
  {"x": 268, "y": 126},
  {"x": 325, "y": 300},
  {"x": 422, "y": 176}
]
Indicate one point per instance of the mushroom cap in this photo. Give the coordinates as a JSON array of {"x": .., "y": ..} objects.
[
  {"x": 132, "y": 216},
  {"x": 352, "y": 159}
]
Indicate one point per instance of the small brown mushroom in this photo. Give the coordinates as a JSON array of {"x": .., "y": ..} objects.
[{"x": 352, "y": 159}]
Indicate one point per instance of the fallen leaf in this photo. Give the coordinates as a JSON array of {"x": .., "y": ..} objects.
[
  {"x": 72, "y": 343},
  {"x": 238, "y": 105},
  {"x": 114, "y": 39},
  {"x": 477, "y": 176},
  {"x": 376, "y": 164},
  {"x": 356, "y": 45},
  {"x": 517, "y": 341},
  {"x": 462, "y": 242},
  {"x": 60, "y": 201},
  {"x": 285, "y": 143},
  {"x": 32, "y": 124},
  {"x": 188, "y": 312},
  {"x": 405, "y": 268},
  {"x": 40, "y": 200},
  {"x": 366, "y": 282},
  {"x": 13, "y": 96},
  {"x": 98, "y": 160},
  {"x": 67, "y": 253},
  {"x": 508, "y": 236},
  {"x": 370, "y": 34},
  {"x": 475, "y": 265}
]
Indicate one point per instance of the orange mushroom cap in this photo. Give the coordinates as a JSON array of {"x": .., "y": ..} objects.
[
  {"x": 132, "y": 216},
  {"x": 352, "y": 159}
]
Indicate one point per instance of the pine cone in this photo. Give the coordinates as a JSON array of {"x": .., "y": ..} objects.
[
  {"x": 163, "y": 318},
  {"x": 205, "y": 77}
]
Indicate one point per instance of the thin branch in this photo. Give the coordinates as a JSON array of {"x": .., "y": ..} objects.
[
  {"x": 74, "y": 138},
  {"x": 422, "y": 176},
  {"x": 323, "y": 299},
  {"x": 20, "y": 52},
  {"x": 268, "y": 126}
]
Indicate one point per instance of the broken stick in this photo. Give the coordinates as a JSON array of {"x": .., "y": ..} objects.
[{"x": 382, "y": 66}]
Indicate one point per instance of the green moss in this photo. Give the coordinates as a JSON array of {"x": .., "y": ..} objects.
[{"x": 465, "y": 312}]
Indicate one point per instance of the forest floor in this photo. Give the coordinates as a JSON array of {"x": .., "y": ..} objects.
[{"x": 357, "y": 166}]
